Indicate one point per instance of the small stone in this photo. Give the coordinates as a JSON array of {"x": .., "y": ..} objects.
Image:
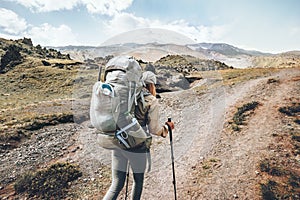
[{"x": 74, "y": 149}]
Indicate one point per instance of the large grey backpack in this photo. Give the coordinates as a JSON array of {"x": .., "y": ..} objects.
[{"x": 112, "y": 104}]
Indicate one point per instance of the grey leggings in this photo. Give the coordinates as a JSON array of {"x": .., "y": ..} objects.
[{"x": 120, "y": 160}]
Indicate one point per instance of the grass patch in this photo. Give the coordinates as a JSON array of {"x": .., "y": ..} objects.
[
  {"x": 47, "y": 120},
  {"x": 271, "y": 169},
  {"x": 273, "y": 190},
  {"x": 290, "y": 110},
  {"x": 294, "y": 180},
  {"x": 282, "y": 184},
  {"x": 51, "y": 183},
  {"x": 211, "y": 163},
  {"x": 268, "y": 190},
  {"x": 27, "y": 86},
  {"x": 233, "y": 76},
  {"x": 94, "y": 189},
  {"x": 293, "y": 112},
  {"x": 242, "y": 112},
  {"x": 296, "y": 136},
  {"x": 282, "y": 170},
  {"x": 272, "y": 80},
  {"x": 29, "y": 99},
  {"x": 206, "y": 166},
  {"x": 32, "y": 82},
  {"x": 16, "y": 128}
]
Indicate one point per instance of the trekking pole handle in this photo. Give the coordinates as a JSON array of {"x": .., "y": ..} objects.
[{"x": 170, "y": 129}]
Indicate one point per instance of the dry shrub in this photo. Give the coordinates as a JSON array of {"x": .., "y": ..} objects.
[
  {"x": 240, "y": 116},
  {"x": 48, "y": 183}
]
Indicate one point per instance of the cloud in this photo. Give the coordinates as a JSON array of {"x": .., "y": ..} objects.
[
  {"x": 294, "y": 31},
  {"x": 9, "y": 37},
  {"x": 199, "y": 33},
  {"x": 11, "y": 23},
  {"x": 211, "y": 33},
  {"x": 124, "y": 22},
  {"x": 47, "y": 35},
  {"x": 48, "y": 5},
  {"x": 15, "y": 27},
  {"x": 106, "y": 7}
]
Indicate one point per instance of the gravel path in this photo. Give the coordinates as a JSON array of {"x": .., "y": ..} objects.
[{"x": 44, "y": 146}]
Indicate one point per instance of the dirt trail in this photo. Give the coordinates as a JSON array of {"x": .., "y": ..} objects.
[
  {"x": 201, "y": 133},
  {"x": 200, "y": 120},
  {"x": 194, "y": 121},
  {"x": 237, "y": 156}
]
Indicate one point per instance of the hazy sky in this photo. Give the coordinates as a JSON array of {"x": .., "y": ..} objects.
[{"x": 265, "y": 25}]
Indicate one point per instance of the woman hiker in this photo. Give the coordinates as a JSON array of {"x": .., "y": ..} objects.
[{"x": 147, "y": 114}]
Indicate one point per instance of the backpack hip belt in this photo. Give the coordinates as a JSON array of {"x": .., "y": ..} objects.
[{"x": 122, "y": 135}]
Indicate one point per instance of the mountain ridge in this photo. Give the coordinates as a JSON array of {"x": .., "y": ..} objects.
[
  {"x": 151, "y": 52},
  {"x": 228, "y": 49}
]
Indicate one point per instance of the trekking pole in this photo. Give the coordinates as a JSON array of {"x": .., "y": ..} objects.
[
  {"x": 127, "y": 181},
  {"x": 172, "y": 156},
  {"x": 99, "y": 73}
]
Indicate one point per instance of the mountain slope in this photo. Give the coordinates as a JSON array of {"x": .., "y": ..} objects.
[
  {"x": 151, "y": 52},
  {"x": 225, "y": 49}
]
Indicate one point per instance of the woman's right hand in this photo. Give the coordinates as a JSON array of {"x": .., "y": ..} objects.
[{"x": 170, "y": 124}]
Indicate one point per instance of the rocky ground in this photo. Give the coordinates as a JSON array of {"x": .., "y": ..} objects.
[
  {"x": 231, "y": 170},
  {"x": 211, "y": 160}
]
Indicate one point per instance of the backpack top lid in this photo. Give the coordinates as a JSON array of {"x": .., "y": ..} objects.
[{"x": 126, "y": 64}]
